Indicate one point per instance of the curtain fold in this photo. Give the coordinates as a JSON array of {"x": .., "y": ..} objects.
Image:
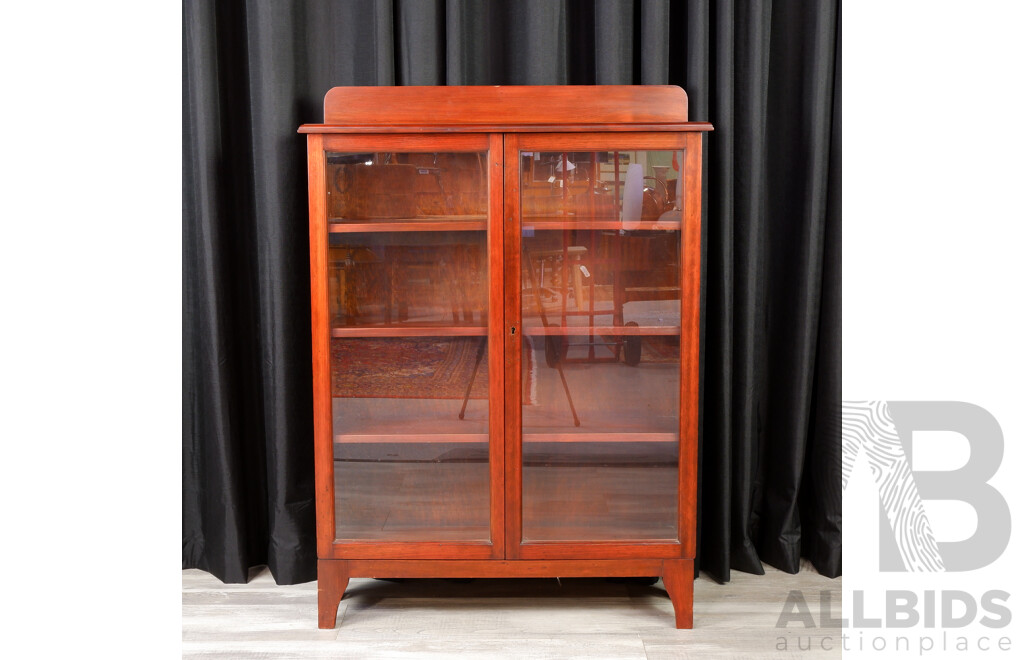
[
  {"x": 767, "y": 75},
  {"x": 799, "y": 132}
]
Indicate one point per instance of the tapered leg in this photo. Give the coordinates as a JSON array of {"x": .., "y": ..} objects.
[
  {"x": 678, "y": 579},
  {"x": 331, "y": 581}
]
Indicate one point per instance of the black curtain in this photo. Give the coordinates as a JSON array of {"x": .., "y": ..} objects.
[{"x": 767, "y": 74}]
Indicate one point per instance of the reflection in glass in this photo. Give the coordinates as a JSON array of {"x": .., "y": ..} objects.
[
  {"x": 407, "y": 289},
  {"x": 414, "y": 278},
  {"x": 411, "y": 443},
  {"x": 390, "y": 186},
  {"x": 600, "y": 307}
]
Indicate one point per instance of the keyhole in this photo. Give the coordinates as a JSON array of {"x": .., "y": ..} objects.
[{"x": 513, "y": 330}]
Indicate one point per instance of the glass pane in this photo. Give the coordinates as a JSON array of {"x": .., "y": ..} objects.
[
  {"x": 408, "y": 349},
  {"x": 600, "y": 307},
  {"x": 389, "y": 187}
]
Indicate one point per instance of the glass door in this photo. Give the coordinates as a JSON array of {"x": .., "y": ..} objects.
[
  {"x": 413, "y": 349},
  {"x": 599, "y": 278}
]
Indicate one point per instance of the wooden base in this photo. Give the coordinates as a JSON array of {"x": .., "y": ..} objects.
[
  {"x": 333, "y": 576},
  {"x": 332, "y": 580},
  {"x": 678, "y": 579}
]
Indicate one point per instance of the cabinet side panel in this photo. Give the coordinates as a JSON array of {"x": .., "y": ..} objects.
[
  {"x": 323, "y": 449},
  {"x": 689, "y": 407}
]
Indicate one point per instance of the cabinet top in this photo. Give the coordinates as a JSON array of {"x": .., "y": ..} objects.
[{"x": 505, "y": 108}]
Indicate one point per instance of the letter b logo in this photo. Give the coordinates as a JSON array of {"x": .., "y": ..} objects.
[{"x": 883, "y": 431}]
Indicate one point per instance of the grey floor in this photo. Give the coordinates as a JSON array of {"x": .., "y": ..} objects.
[{"x": 530, "y": 618}]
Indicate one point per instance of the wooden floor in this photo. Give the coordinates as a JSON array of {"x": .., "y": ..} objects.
[{"x": 528, "y": 618}]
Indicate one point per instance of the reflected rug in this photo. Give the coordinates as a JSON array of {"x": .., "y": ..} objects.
[{"x": 409, "y": 368}]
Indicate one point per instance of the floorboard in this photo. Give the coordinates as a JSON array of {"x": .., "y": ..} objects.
[{"x": 495, "y": 618}]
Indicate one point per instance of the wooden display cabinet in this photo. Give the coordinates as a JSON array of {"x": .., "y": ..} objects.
[{"x": 505, "y": 314}]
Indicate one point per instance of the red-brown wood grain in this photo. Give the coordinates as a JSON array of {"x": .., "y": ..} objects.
[
  {"x": 512, "y": 105},
  {"x": 322, "y": 431},
  {"x": 583, "y": 224},
  {"x": 506, "y": 568},
  {"x": 411, "y": 331},
  {"x": 513, "y": 353},
  {"x": 689, "y": 376},
  {"x": 677, "y": 576},
  {"x": 591, "y": 142},
  {"x": 691, "y": 127},
  {"x": 412, "y": 224},
  {"x": 607, "y": 436},
  {"x": 496, "y": 339},
  {"x": 427, "y": 143},
  {"x": 411, "y": 437},
  {"x": 501, "y": 122},
  {"x": 331, "y": 582},
  {"x": 635, "y": 549},
  {"x": 618, "y": 330},
  {"x": 601, "y": 141},
  {"x": 411, "y": 549}
]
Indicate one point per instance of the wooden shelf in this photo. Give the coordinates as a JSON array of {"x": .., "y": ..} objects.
[
  {"x": 616, "y": 330},
  {"x": 479, "y": 223},
  {"x": 645, "y": 436},
  {"x": 481, "y": 331},
  {"x": 569, "y": 222},
  {"x": 410, "y": 331},
  {"x": 422, "y": 223},
  {"x": 444, "y": 438},
  {"x": 439, "y": 438}
]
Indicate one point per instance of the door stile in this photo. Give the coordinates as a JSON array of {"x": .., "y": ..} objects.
[
  {"x": 322, "y": 445},
  {"x": 496, "y": 339},
  {"x": 689, "y": 363},
  {"x": 513, "y": 353}
]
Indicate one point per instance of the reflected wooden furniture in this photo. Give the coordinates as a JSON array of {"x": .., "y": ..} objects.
[{"x": 456, "y": 235}]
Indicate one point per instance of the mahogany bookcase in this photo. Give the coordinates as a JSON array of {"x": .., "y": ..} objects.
[{"x": 505, "y": 314}]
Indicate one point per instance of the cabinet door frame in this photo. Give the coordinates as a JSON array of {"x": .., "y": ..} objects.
[
  {"x": 685, "y": 547},
  {"x": 328, "y": 547}
]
